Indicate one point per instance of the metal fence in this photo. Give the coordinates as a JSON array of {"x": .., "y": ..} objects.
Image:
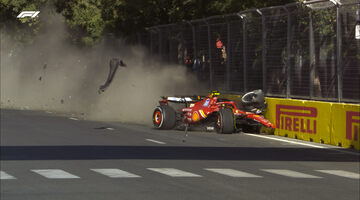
[{"x": 302, "y": 50}]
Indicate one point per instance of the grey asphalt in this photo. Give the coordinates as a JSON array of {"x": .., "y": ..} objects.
[{"x": 38, "y": 140}]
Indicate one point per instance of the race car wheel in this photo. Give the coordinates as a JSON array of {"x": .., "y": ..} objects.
[
  {"x": 225, "y": 121},
  {"x": 164, "y": 117}
]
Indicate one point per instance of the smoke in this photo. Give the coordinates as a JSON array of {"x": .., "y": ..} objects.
[{"x": 53, "y": 75}]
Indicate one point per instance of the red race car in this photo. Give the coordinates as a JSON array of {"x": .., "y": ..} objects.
[{"x": 226, "y": 113}]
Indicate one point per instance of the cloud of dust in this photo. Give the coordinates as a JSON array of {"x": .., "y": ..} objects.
[{"x": 53, "y": 75}]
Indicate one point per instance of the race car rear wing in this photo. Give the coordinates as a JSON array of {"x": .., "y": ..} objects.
[{"x": 180, "y": 99}]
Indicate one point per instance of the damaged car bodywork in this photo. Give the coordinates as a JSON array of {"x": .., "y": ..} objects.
[{"x": 226, "y": 113}]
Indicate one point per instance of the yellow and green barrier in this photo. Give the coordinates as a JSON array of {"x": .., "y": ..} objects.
[{"x": 323, "y": 122}]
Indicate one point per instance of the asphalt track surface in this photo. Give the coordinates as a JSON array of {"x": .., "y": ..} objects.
[{"x": 44, "y": 156}]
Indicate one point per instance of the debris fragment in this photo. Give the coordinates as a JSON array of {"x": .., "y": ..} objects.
[
  {"x": 105, "y": 128},
  {"x": 114, "y": 64}
]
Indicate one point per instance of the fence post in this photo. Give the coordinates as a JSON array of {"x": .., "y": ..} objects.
[
  {"x": 182, "y": 49},
  {"x": 169, "y": 45},
  {"x": 288, "y": 49},
  {"x": 151, "y": 43},
  {"x": 138, "y": 39},
  {"x": 243, "y": 18},
  {"x": 210, "y": 56},
  {"x": 245, "y": 53},
  {"x": 263, "y": 41},
  {"x": 160, "y": 44},
  {"x": 228, "y": 56},
  {"x": 194, "y": 40},
  {"x": 311, "y": 57},
  {"x": 339, "y": 53}
]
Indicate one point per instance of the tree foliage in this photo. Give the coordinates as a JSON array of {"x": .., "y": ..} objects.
[{"x": 88, "y": 20}]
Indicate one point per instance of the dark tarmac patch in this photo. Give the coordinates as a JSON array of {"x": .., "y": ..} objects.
[{"x": 104, "y": 128}]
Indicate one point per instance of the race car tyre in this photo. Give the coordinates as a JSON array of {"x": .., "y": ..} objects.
[
  {"x": 225, "y": 121},
  {"x": 164, "y": 117}
]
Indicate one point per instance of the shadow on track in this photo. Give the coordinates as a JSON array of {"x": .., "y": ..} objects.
[{"x": 171, "y": 153}]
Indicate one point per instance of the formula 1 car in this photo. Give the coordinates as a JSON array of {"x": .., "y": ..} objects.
[{"x": 226, "y": 113}]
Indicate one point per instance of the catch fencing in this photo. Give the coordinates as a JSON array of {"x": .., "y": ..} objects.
[{"x": 308, "y": 50}]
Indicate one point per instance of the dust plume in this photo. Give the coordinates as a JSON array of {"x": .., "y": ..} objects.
[{"x": 53, "y": 75}]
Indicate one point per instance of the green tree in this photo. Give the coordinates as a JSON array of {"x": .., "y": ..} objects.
[{"x": 84, "y": 17}]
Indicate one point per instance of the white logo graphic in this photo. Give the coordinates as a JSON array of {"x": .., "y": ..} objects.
[
  {"x": 31, "y": 14},
  {"x": 357, "y": 32}
]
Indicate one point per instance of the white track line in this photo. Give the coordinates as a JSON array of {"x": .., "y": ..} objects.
[
  {"x": 341, "y": 173},
  {"x": 115, "y": 173},
  {"x": 173, "y": 172},
  {"x": 155, "y": 141},
  {"x": 288, "y": 141},
  {"x": 232, "y": 173},
  {"x": 289, "y": 173},
  {"x": 5, "y": 176},
  {"x": 54, "y": 173},
  {"x": 73, "y": 118},
  {"x": 333, "y": 148}
]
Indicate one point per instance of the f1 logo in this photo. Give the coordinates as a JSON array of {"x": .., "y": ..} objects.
[
  {"x": 352, "y": 123},
  {"x": 31, "y": 14}
]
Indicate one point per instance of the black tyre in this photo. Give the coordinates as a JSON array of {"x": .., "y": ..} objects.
[
  {"x": 164, "y": 117},
  {"x": 225, "y": 121}
]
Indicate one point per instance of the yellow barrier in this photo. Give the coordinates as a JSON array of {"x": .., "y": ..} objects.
[
  {"x": 345, "y": 125},
  {"x": 322, "y": 122}
]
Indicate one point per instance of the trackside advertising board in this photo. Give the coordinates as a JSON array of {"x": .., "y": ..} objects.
[{"x": 323, "y": 122}]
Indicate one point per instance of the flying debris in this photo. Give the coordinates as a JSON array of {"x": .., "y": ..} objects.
[{"x": 114, "y": 64}]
